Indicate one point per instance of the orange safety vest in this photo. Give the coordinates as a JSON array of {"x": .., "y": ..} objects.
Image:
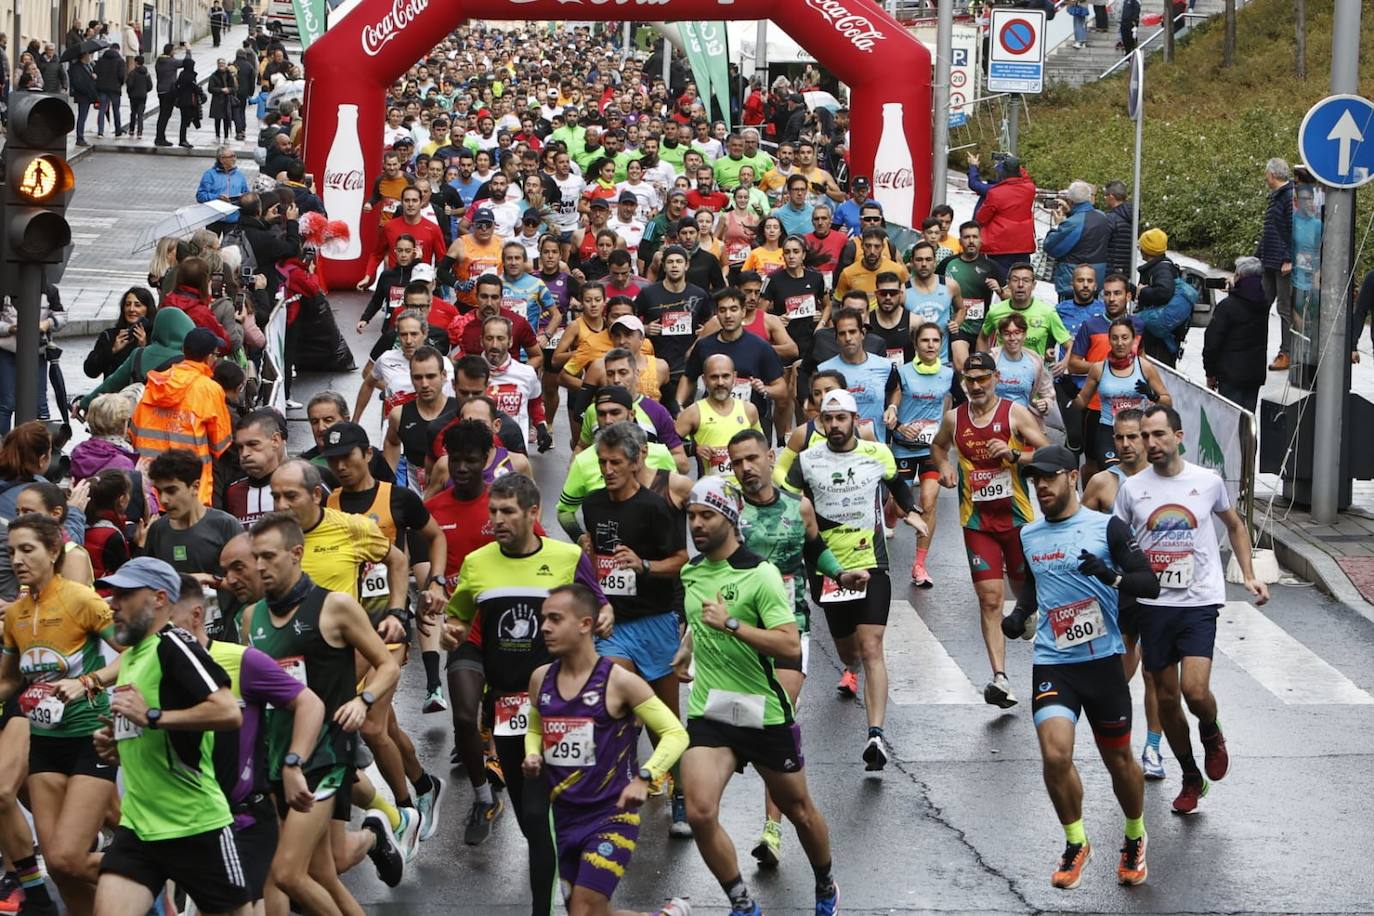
[{"x": 183, "y": 408}]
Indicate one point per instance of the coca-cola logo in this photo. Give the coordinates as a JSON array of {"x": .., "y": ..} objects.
[
  {"x": 350, "y": 180},
  {"x": 403, "y": 12},
  {"x": 616, "y": 2},
  {"x": 894, "y": 178},
  {"x": 859, "y": 31}
]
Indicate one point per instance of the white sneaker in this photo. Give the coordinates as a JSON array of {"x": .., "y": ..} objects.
[
  {"x": 1151, "y": 763},
  {"x": 875, "y": 754},
  {"x": 408, "y": 834},
  {"x": 293, "y": 405},
  {"x": 998, "y": 692}
]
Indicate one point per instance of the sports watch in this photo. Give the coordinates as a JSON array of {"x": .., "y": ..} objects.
[{"x": 154, "y": 717}]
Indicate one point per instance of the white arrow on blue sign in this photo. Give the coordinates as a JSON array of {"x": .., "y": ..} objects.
[{"x": 1336, "y": 141}]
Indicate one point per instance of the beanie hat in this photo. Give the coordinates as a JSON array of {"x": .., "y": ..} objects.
[{"x": 1153, "y": 243}]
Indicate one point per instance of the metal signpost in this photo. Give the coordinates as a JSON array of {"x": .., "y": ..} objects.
[
  {"x": 944, "y": 38},
  {"x": 1135, "y": 108}
]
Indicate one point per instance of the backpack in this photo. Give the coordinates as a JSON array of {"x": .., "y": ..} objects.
[
  {"x": 235, "y": 236},
  {"x": 1171, "y": 321}
]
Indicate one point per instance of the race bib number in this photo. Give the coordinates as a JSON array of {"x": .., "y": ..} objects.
[
  {"x": 742, "y": 710},
  {"x": 512, "y": 715},
  {"x": 800, "y": 306},
  {"x": 1077, "y": 623},
  {"x": 557, "y": 338},
  {"x": 125, "y": 730},
  {"x": 737, "y": 251},
  {"x": 1175, "y": 570},
  {"x": 615, "y": 580},
  {"x": 479, "y": 266},
  {"x": 395, "y": 299},
  {"x": 833, "y": 592},
  {"x": 514, "y": 304},
  {"x": 743, "y": 390},
  {"x": 896, "y": 357},
  {"x": 43, "y": 709},
  {"x": 925, "y": 431},
  {"x": 715, "y": 459},
  {"x": 570, "y": 742},
  {"x": 1128, "y": 402},
  {"x": 988, "y": 484},
  {"x": 676, "y": 323},
  {"x": 509, "y": 399},
  {"x": 974, "y": 309},
  {"x": 374, "y": 581}
]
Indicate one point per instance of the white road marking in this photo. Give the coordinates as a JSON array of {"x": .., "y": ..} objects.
[
  {"x": 919, "y": 670},
  {"x": 1283, "y": 665}
]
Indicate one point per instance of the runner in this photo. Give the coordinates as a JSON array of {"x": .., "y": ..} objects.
[
  {"x": 809, "y": 433},
  {"x": 584, "y": 748},
  {"x": 673, "y": 310},
  {"x": 1077, "y": 561},
  {"x": 22, "y": 885},
  {"x": 937, "y": 299},
  {"x": 710, "y": 423},
  {"x": 170, "y": 699},
  {"x": 471, "y": 256},
  {"x": 978, "y": 278},
  {"x": 1091, "y": 345},
  {"x": 391, "y": 370},
  {"x": 1139, "y": 386},
  {"x": 513, "y": 385},
  {"x": 260, "y": 437},
  {"x": 924, "y": 383},
  {"x": 892, "y": 322},
  {"x": 1044, "y": 328},
  {"x": 1021, "y": 375},
  {"x": 841, "y": 476},
  {"x": 1168, "y": 506},
  {"x": 760, "y": 379},
  {"x": 315, "y": 633},
  {"x": 1100, "y": 494},
  {"x": 638, "y": 547},
  {"x": 407, "y": 426},
  {"x": 796, "y": 294},
  {"x": 872, "y": 379},
  {"x": 994, "y": 438},
  {"x": 567, "y": 297},
  {"x": 738, "y": 714},
  {"x": 504, "y": 585}
]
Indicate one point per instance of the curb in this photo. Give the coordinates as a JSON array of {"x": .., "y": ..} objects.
[
  {"x": 83, "y": 327},
  {"x": 1311, "y": 562}
]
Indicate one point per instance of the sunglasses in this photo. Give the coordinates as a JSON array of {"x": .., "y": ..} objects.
[{"x": 871, "y": 219}]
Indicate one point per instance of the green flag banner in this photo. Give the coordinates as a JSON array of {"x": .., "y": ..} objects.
[
  {"x": 696, "y": 57},
  {"x": 713, "y": 38},
  {"x": 309, "y": 19}
]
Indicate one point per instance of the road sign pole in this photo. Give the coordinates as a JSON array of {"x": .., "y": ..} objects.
[
  {"x": 1138, "y": 97},
  {"x": 944, "y": 48},
  {"x": 1332, "y": 387},
  {"x": 29, "y": 287},
  {"x": 1013, "y": 122}
]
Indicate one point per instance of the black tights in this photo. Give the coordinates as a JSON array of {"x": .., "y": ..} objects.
[{"x": 531, "y": 803}]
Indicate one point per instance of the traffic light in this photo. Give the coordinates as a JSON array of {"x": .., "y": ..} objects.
[{"x": 38, "y": 179}]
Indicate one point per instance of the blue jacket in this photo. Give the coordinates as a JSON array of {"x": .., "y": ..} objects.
[
  {"x": 216, "y": 182},
  {"x": 1276, "y": 239},
  {"x": 1082, "y": 238}
]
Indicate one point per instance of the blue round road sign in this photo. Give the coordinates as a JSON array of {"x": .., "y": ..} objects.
[
  {"x": 1017, "y": 36},
  {"x": 1336, "y": 141}
]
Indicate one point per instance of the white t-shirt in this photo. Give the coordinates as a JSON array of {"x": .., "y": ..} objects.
[
  {"x": 391, "y": 371},
  {"x": 710, "y": 148},
  {"x": 645, "y": 193},
  {"x": 514, "y": 387},
  {"x": 565, "y": 216},
  {"x": 632, "y": 232},
  {"x": 507, "y": 214},
  {"x": 1171, "y": 518},
  {"x": 661, "y": 176}
]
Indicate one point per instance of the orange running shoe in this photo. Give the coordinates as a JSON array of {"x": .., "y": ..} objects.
[
  {"x": 848, "y": 685},
  {"x": 1132, "y": 869},
  {"x": 1070, "y": 870}
]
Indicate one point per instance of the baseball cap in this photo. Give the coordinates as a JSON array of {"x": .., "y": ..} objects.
[
  {"x": 145, "y": 572},
  {"x": 600, "y": 203},
  {"x": 677, "y": 192},
  {"x": 342, "y": 438},
  {"x": 719, "y": 496},
  {"x": 1009, "y": 167},
  {"x": 614, "y": 394},
  {"x": 981, "y": 360},
  {"x": 627, "y": 197},
  {"x": 860, "y": 182},
  {"x": 484, "y": 215},
  {"x": 422, "y": 272},
  {"x": 200, "y": 343},
  {"x": 1051, "y": 459},
  {"x": 628, "y": 321},
  {"x": 839, "y": 400},
  {"x": 531, "y": 213}
]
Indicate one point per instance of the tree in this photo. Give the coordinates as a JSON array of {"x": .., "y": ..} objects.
[
  {"x": 1228, "y": 43},
  {"x": 1300, "y": 38}
]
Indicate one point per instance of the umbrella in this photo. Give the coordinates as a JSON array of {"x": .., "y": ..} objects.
[
  {"x": 818, "y": 99},
  {"x": 90, "y": 45},
  {"x": 184, "y": 220}
]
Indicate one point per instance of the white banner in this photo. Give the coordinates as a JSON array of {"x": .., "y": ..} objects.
[{"x": 274, "y": 354}]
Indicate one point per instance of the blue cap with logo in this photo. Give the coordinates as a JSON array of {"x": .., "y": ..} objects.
[{"x": 144, "y": 572}]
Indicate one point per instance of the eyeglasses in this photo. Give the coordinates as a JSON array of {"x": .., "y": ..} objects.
[{"x": 978, "y": 379}]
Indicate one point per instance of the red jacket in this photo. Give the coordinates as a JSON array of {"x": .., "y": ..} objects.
[
  {"x": 1007, "y": 217},
  {"x": 197, "y": 309}
]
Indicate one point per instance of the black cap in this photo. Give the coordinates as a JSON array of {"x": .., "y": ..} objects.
[
  {"x": 687, "y": 222},
  {"x": 860, "y": 181},
  {"x": 200, "y": 343},
  {"x": 981, "y": 360},
  {"x": 599, "y": 203},
  {"x": 342, "y": 438},
  {"x": 532, "y": 214},
  {"x": 627, "y": 197},
  {"x": 1051, "y": 459},
  {"x": 1010, "y": 167},
  {"x": 614, "y": 394}
]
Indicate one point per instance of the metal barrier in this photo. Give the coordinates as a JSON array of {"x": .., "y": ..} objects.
[{"x": 1146, "y": 43}]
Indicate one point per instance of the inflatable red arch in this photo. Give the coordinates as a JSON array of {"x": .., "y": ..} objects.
[{"x": 350, "y": 67}]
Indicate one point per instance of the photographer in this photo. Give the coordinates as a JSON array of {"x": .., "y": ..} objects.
[{"x": 270, "y": 229}]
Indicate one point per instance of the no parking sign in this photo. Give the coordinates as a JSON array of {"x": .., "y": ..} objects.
[{"x": 1016, "y": 60}]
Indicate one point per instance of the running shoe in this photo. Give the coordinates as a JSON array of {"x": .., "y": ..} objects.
[
  {"x": 455, "y": 758},
  {"x": 678, "y": 906},
  {"x": 661, "y": 786},
  {"x": 753, "y": 909},
  {"x": 1216, "y": 763},
  {"x": 829, "y": 905},
  {"x": 408, "y": 834},
  {"x": 1132, "y": 869},
  {"x": 875, "y": 754},
  {"x": 848, "y": 685},
  {"x": 1070, "y": 870},
  {"x": 1192, "y": 793},
  {"x": 920, "y": 578},
  {"x": 680, "y": 829},
  {"x": 11, "y": 895},
  {"x": 481, "y": 819},
  {"x": 1151, "y": 763},
  {"x": 768, "y": 850},
  {"x": 495, "y": 775},
  {"x": 889, "y": 533},
  {"x": 998, "y": 692},
  {"x": 385, "y": 856},
  {"x": 435, "y": 702},
  {"x": 428, "y": 805},
  {"x": 293, "y": 405}
]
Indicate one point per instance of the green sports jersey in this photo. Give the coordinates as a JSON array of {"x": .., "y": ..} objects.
[
  {"x": 1042, "y": 320},
  {"x": 972, "y": 277},
  {"x": 170, "y": 790},
  {"x": 777, "y": 533},
  {"x": 584, "y": 474},
  {"x": 846, "y": 490},
  {"x": 725, "y": 665}
]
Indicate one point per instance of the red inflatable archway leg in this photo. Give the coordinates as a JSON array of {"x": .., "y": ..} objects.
[{"x": 349, "y": 68}]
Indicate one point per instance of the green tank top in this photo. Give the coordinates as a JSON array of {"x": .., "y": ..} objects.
[
  {"x": 299, "y": 647},
  {"x": 777, "y": 533}
]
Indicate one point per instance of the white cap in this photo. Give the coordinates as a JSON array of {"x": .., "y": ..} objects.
[
  {"x": 839, "y": 400},
  {"x": 718, "y": 495},
  {"x": 423, "y": 272},
  {"x": 629, "y": 321}
]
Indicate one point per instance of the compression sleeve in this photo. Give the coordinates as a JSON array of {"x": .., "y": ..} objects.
[
  {"x": 901, "y": 494},
  {"x": 1026, "y": 602},
  {"x": 672, "y": 737},
  {"x": 1137, "y": 578},
  {"x": 786, "y": 458},
  {"x": 444, "y": 272},
  {"x": 534, "y": 733},
  {"x": 820, "y": 558}
]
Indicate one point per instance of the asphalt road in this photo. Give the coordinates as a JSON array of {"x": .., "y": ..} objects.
[{"x": 959, "y": 822}]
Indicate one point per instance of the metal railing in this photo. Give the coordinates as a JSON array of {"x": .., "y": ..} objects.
[{"x": 1146, "y": 43}]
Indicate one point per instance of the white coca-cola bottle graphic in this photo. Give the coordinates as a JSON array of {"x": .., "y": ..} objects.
[
  {"x": 343, "y": 185},
  {"x": 894, "y": 179}
]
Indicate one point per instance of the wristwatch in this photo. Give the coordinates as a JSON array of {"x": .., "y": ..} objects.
[
  {"x": 732, "y": 624},
  {"x": 646, "y": 774},
  {"x": 154, "y": 717},
  {"x": 442, "y": 580},
  {"x": 367, "y": 698},
  {"x": 1015, "y": 456},
  {"x": 291, "y": 760}
]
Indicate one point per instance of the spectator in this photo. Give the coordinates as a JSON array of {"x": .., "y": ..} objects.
[
  {"x": 1079, "y": 13},
  {"x": 219, "y": 22},
  {"x": 1233, "y": 349},
  {"x": 165, "y": 68},
  {"x": 132, "y": 329},
  {"x": 1275, "y": 251},
  {"x": 50, "y": 67},
  {"x": 192, "y": 296},
  {"x": 106, "y": 546},
  {"x": 50, "y": 318},
  {"x": 245, "y": 76},
  {"x": 1005, "y": 212},
  {"x": 189, "y": 98},
  {"x": 272, "y": 234},
  {"x": 223, "y": 181},
  {"x": 1130, "y": 21},
  {"x": 138, "y": 84},
  {"x": 1157, "y": 302},
  {"x": 110, "y": 73},
  {"x": 1120, "y": 239},
  {"x": 223, "y": 89},
  {"x": 1081, "y": 237},
  {"x": 85, "y": 93},
  {"x": 280, "y": 156},
  {"x": 25, "y": 455}
]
